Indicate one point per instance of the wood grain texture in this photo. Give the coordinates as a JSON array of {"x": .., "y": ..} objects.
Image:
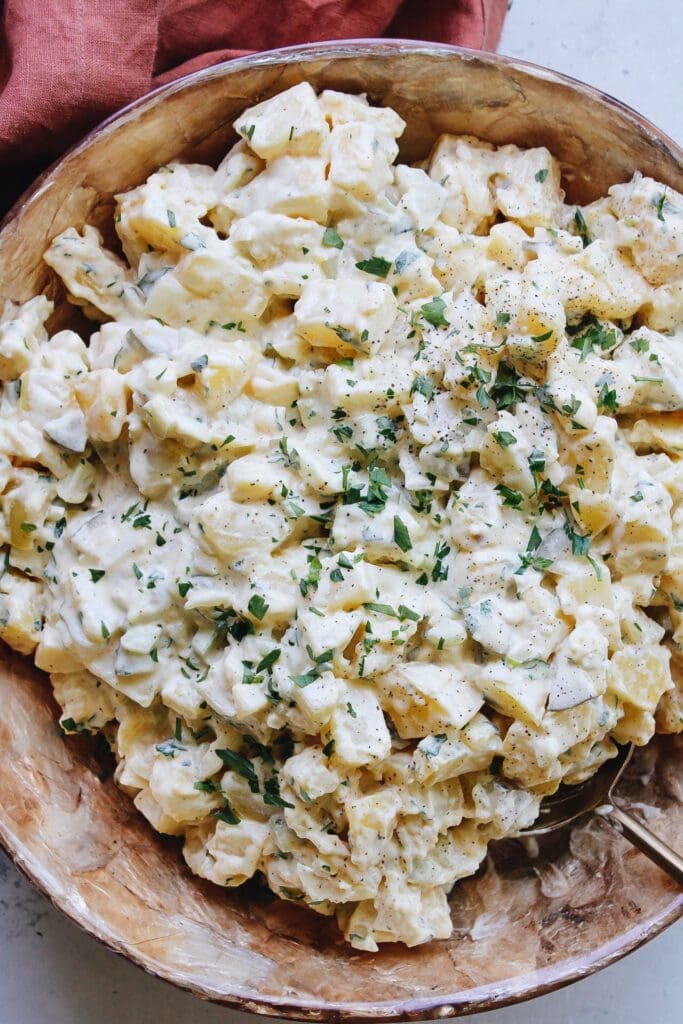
[{"x": 522, "y": 925}]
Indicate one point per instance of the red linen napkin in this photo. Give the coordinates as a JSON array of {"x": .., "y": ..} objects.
[{"x": 66, "y": 64}]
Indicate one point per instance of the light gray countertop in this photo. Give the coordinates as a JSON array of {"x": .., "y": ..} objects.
[{"x": 52, "y": 973}]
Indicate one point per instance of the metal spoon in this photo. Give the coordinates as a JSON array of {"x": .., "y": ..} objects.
[{"x": 597, "y": 795}]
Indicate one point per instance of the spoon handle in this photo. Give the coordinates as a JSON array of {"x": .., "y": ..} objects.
[{"x": 646, "y": 841}]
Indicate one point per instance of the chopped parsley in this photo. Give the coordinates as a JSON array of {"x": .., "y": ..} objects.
[
  {"x": 513, "y": 499},
  {"x": 268, "y": 660},
  {"x": 659, "y": 205},
  {"x": 375, "y": 265},
  {"x": 206, "y": 786},
  {"x": 423, "y": 386},
  {"x": 590, "y": 335},
  {"x": 332, "y": 239},
  {"x": 374, "y": 500},
  {"x": 582, "y": 228},
  {"x": 257, "y": 606},
  {"x": 242, "y": 766},
  {"x": 509, "y": 387},
  {"x": 607, "y": 399},
  {"x": 530, "y": 560},
  {"x": 433, "y": 313},
  {"x": 440, "y": 571},
  {"x": 271, "y": 794},
  {"x": 380, "y": 609},
  {"x": 401, "y": 534},
  {"x": 227, "y": 814},
  {"x": 504, "y": 438}
]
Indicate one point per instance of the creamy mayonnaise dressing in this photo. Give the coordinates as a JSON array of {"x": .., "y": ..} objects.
[{"x": 357, "y": 526}]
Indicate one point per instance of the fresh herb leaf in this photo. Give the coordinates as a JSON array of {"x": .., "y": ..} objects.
[
  {"x": 305, "y": 678},
  {"x": 376, "y": 265},
  {"x": 590, "y": 334},
  {"x": 504, "y": 438},
  {"x": 258, "y": 606},
  {"x": 242, "y": 766},
  {"x": 509, "y": 387},
  {"x": 206, "y": 786},
  {"x": 580, "y": 542},
  {"x": 551, "y": 496},
  {"x": 659, "y": 205},
  {"x": 513, "y": 499},
  {"x": 272, "y": 793},
  {"x": 227, "y": 813},
  {"x": 529, "y": 559},
  {"x": 433, "y": 313},
  {"x": 268, "y": 660},
  {"x": 582, "y": 228},
  {"x": 424, "y": 386},
  {"x": 607, "y": 399},
  {"x": 401, "y": 534},
  {"x": 408, "y": 613},
  {"x": 332, "y": 239},
  {"x": 381, "y": 609}
]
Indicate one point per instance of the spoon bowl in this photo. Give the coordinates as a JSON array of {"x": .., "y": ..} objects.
[
  {"x": 596, "y": 796},
  {"x": 571, "y": 802}
]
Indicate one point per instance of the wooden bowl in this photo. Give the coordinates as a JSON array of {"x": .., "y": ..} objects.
[{"x": 521, "y": 927}]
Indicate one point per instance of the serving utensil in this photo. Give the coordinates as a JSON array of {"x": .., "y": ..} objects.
[{"x": 596, "y": 796}]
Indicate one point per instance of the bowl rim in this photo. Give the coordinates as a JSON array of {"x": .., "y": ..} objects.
[
  {"x": 493, "y": 994},
  {"x": 343, "y": 48}
]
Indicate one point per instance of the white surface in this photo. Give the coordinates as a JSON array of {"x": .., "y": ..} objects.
[
  {"x": 54, "y": 974},
  {"x": 628, "y": 48}
]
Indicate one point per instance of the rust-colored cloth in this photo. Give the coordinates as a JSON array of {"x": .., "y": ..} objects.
[{"x": 66, "y": 64}]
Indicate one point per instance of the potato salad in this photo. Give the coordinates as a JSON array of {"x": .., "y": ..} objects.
[{"x": 356, "y": 524}]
